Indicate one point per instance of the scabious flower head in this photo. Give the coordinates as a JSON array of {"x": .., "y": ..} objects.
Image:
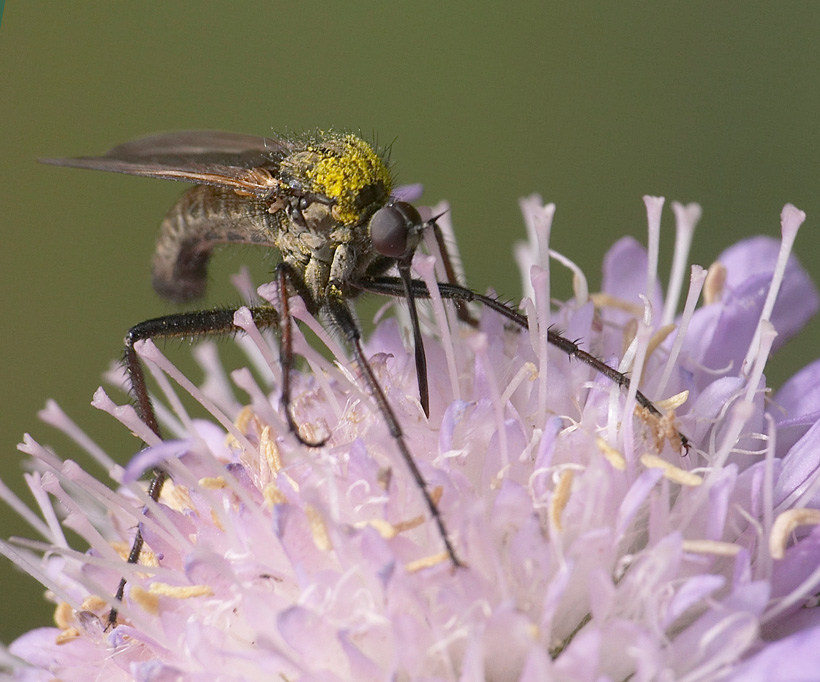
[{"x": 595, "y": 546}]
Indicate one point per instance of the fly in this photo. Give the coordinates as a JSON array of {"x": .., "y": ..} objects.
[{"x": 324, "y": 202}]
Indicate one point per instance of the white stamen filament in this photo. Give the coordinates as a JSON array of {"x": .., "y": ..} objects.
[
  {"x": 686, "y": 220},
  {"x": 791, "y": 219},
  {"x": 654, "y": 207}
]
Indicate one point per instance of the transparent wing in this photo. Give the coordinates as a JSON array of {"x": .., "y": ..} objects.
[{"x": 244, "y": 163}]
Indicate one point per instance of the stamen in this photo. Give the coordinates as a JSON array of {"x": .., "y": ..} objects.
[
  {"x": 580, "y": 286},
  {"x": 791, "y": 218},
  {"x": 300, "y": 312},
  {"x": 244, "y": 320},
  {"x": 764, "y": 346},
  {"x": 142, "y": 597},
  {"x": 444, "y": 221},
  {"x": 560, "y": 498},
  {"x": 79, "y": 521},
  {"x": 541, "y": 287},
  {"x": 634, "y": 358},
  {"x": 655, "y": 342},
  {"x": 478, "y": 344},
  {"x": 126, "y": 415},
  {"x": 243, "y": 283},
  {"x": 260, "y": 402},
  {"x": 686, "y": 220},
  {"x": 527, "y": 372},
  {"x": 318, "y": 529},
  {"x": 696, "y": 280},
  {"x": 215, "y": 383},
  {"x": 320, "y": 368},
  {"x": 767, "y": 492},
  {"x": 785, "y": 524},
  {"x": 148, "y": 351},
  {"x": 715, "y": 283},
  {"x": 654, "y": 206},
  {"x": 535, "y": 251},
  {"x": 186, "y": 427},
  {"x": 426, "y": 562},
  {"x": 21, "y": 509},
  {"x": 538, "y": 220},
  {"x": 711, "y": 547},
  {"x": 670, "y": 471},
  {"x": 54, "y": 416},
  {"x": 425, "y": 266},
  {"x": 180, "y": 591},
  {"x": 613, "y": 456},
  {"x": 740, "y": 413},
  {"x": 35, "y": 568}
]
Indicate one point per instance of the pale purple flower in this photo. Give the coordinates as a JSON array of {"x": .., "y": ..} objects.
[{"x": 596, "y": 548}]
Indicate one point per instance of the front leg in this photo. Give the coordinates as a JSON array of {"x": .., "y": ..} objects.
[
  {"x": 337, "y": 308},
  {"x": 178, "y": 326}
]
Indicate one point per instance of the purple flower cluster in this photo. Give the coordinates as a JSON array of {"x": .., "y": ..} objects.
[{"x": 595, "y": 547}]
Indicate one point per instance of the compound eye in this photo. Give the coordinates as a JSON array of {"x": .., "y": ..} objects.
[{"x": 389, "y": 231}]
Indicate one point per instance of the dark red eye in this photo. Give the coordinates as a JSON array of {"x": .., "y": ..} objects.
[{"x": 393, "y": 228}]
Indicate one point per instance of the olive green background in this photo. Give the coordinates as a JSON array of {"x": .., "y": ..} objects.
[{"x": 591, "y": 105}]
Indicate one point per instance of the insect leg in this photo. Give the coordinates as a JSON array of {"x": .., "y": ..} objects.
[
  {"x": 462, "y": 311},
  {"x": 461, "y": 307},
  {"x": 391, "y": 286},
  {"x": 380, "y": 265},
  {"x": 418, "y": 341},
  {"x": 403, "y": 265},
  {"x": 202, "y": 323},
  {"x": 284, "y": 275},
  {"x": 339, "y": 312}
]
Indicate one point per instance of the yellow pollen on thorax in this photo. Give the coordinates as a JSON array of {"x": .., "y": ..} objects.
[{"x": 341, "y": 177}]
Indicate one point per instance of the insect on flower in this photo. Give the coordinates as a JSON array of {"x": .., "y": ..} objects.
[{"x": 324, "y": 201}]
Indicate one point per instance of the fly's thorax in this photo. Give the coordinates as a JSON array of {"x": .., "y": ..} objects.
[
  {"x": 342, "y": 169},
  {"x": 319, "y": 248},
  {"x": 316, "y": 234},
  {"x": 311, "y": 233}
]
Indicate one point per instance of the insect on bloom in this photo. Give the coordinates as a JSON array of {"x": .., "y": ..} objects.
[
  {"x": 591, "y": 548},
  {"x": 324, "y": 201}
]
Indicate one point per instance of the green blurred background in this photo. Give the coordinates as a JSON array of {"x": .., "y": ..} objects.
[{"x": 592, "y": 105}]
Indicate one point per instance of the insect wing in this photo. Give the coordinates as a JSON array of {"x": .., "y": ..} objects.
[
  {"x": 198, "y": 143},
  {"x": 244, "y": 163}
]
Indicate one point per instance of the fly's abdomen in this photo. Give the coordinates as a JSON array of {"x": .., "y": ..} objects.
[{"x": 204, "y": 217}]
